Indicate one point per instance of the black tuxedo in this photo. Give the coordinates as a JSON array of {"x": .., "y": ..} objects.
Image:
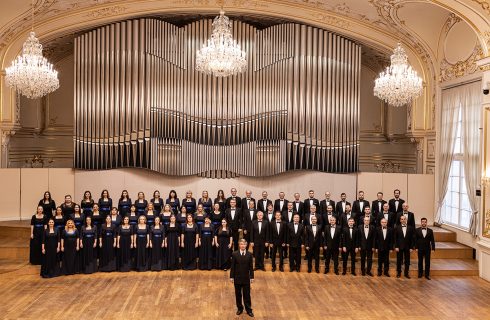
[
  {"x": 285, "y": 216},
  {"x": 266, "y": 216},
  {"x": 238, "y": 202},
  {"x": 356, "y": 206},
  {"x": 299, "y": 207},
  {"x": 277, "y": 240},
  {"x": 384, "y": 245},
  {"x": 313, "y": 241},
  {"x": 247, "y": 223},
  {"x": 392, "y": 205},
  {"x": 424, "y": 245},
  {"x": 410, "y": 218},
  {"x": 306, "y": 204},
  {"x": 295, "y": 241},
  {"x": 366, "y": 245},
  {"x": 259, "y": 239},
  {"x": 306, "y": 219},
  {"x": 403, "y": 244},
  {"x": 324, "y": 204},
  {"x": 277, "y": 205},
  {"x": 326, "y": 218},
  {"x": 260, "y": 205},
  {"x": 338, "y": 207},
  {"x": 234, "y": 223},
  {"x": 242, "y": 272},
  {"x": 344, "y": 219},
  {"x": 372, "y": 219},
  {"x": 375, "y": 206},
  {"x": 350, "y": 241},
  {"x": 244, "y": 204},
  {"x": 332, "y": 245},
  {"x": 391, "y": 219}
]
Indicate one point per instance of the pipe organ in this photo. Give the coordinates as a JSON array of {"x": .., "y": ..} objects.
[{"x": 140, "y": 103}]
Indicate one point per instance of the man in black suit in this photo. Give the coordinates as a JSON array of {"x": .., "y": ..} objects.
[
  {"x": 269, "y": 216},
  {"x": 281, "y": 204},
  {"x": 307, "y": 220},
  {"x": 383, "y": 246},
  {"x": 350, "y": 246},
  {"x": 329, "y": 213},
  {"x": 264, "y": 202},
  {"x": 331, "y": 245},
  {"x": 408, "y": 215},
  {"x": 404, "y": 244},
  {"x": 277, "y": 241},
  {"x": 259, "y": 239},
  {"x": 234, "y": 219},
  {"x": 242, "y": 276},
  {"x": 313, "y": 242},
  {"x": 288, "y": 214},
  {"x": 424, "y": 244},
  {"x": 386, "y": 214},
  {"x": 366, "y": 214},
  {"x": 396, "y": 202},
  {"x": 359, "y": 205},
  {"x": 248, "y": 216},
  {"x": 238, "y": 200},
  {"x": 348, "y": 214},
  {"x": 310, "y": 201},
  {"x": 294, "y": 240},
  {"x": 246, "y": 200},
  {"x": 325, "y": 203},
  {"x": 298, "y": 206},
  {"x": 367, "y": 235},
  {"x": 377, "y": 205},
  {"x": 340, "y": 207}
]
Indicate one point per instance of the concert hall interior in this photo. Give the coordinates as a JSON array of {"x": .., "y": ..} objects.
[{"x": 277, "y": 159}]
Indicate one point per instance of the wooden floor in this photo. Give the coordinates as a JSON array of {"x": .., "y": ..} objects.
[{"x": 209, "y": 295}]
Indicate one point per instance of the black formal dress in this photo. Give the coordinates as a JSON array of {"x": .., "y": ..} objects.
[
  {"x": 86, "y": 207},
  {"x": 384, "y": 243},
  {"x": 141, "y": 256},
  {"x": 313, "y": 240},
  {"x": 133, "y": 221},
  {"x": 67, "y": 210},
  {"x": 190, "y": 251},
  {"x": 206, "y": 204},
  {"x": 206, "y": 248},
  {"x": 424, "y": 243},
  {"x": 259, "y": 237},
  {"x": 199, "y": 220},
  {"x": 124, "y": 207},
  {"x": 78, "y": 220},
  {"x": 50, "y": 266},
  {"x": 216, "y": 218},
  {"x": 97, "y": 221},
  {"x": 222, "y": 204},
  {"x": 157, "y": 236},
  {"x": 157, "y": 205},
  {"x": 105, "y": 206},
  {"x": 242, "y": 272},
  {"x": 150, "y": 218},
  {"x": 332, "y": 239},
  {"x": 59, "y": 223},
  {"x": 190, "y": 205},
  {"x": 294, "y": 239},
  {"x": 70, "y": 262},
  {"x": 88, "y": 252},
  {"x": 174, "y": 204},
  {"x": 49, "y": 207},
  {"x": 140, "y": 206},
  {"x": 165, "y": 218},
  {"x": 404, "y": 242},
  {"x": 223, "y": 253},
  {"x": 35, "y": 247},
  {"x": 107, "y": 259},
  {"x": 181, "y": 220},
  {"x": 172, "y": 234},
  {"x": 367, "y": 236},
  {"x": 124, "y": 254}
]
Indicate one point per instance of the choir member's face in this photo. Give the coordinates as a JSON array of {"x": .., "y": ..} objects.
[
  {"x": 108, "y": 220},
  {"x": 380, "y": 196},
  {"x": 199, "y": 208},
  {"x": 260, "y": 215},
  {"x": 157, "y": 221},
  {"x": 188, "y": 194},
  {"x": 141, "y": 195},
  {"x": 385, "y": 207},
  {"x": 281, "y": 195},
  {"x": 233, "y": 203},
  {"x": 296, "y": 218},
  {"x": 366, "y": 221},
  {"x": 88, "y": 221},
  {"x": 220, "y": 194},
  {"x": 313, "y": 220},
  {"x": 243, "y": 245},
  {"x": 167, "y": 208},
  {"x": 207, "y": 220},
  {"x": 397, "y": 194},
  {"x": 126, "y": 220},
  {"x": 311, "y": 194},
  {"x": 69, "y": 224},
  {"x": 172, "y": 194},
  {"x": 251, "y": 204},
  {"x": 125, "y": 194},
  {"x": 87, "y": 195},
  {"x": 403, "y": 220},
  {"x": 278, "y": 216},
  {"x": 205, "y": 194},
  {"x": 350, "y": 223},
  {"x": 343, "y": 196},
  {"x": 95, "y": 207},
  {"x": 367, "y": 210},
  {"x": 133, "y": 209},
  {"x": 264, "y": 195},
  {"x": 141, "y": 220},
  {"x": 270, "y": 208},
  {"x": 189, "y": 218},
  {"x": 384, "y": 222},
  {"x": 156, "y": 194},
  {"x": 327, "y": 195},
  {"x": 216, "y": 207},
  {"x": 51, "y": 222},
  {"x": 183, "y": 210},
  {"x": 405, "y": 207},
  {"x": 361, "y": 195},
  {"x": 423, "y": 222},
  {"x": 114, "y": 211},
  {"x": 77, "y": 209},
  {"x": 58, "y": 212},
  {"x": 233, "y": 192},
  {"x": 150, "y": 206},
  {"x": 347, "y": 208},
  {"x": 39, "y": 210},
  {"x": 332, "y": 221},
  {"x": 223, "y": 223},
  {"x": 248, "y": 194},
  {"x": 290, "y": 206},
  {"x": 172, "y": 219},
  {"x": 329, "y": 209},
  {"x": 105, "y": 194},
  {"x": 313, "y": 209},
  {"x": 46, "y": 195},
  {"x": 68, "y": 199}
]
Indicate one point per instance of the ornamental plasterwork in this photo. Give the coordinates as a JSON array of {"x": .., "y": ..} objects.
[
  {"x": 459, "y": 69},
  {"x": 484, "y": 4}
]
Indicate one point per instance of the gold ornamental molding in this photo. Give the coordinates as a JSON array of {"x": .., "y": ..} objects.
[
  {"x": 460, "y": 69},
  {"x": 485, "y": 5},
  {"x": 106, "y": 12}
]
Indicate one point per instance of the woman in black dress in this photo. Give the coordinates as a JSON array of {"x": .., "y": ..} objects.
[
  {"x": 166, "y": 214},
  {"x": 206, "y": 243},
  {"x": 173, "y": 201},
  {"x": 206, "y": 202},
  {"x": 189, "y": 202},
  {"x": 48, "y": 204},
  {"x": 200, "y": 216},
  {"x": 38, "y": 225},
  {"x": 157, "y": 202},
  {"x": 107, "y": 243},
  {"x": 67, "y": 207},
  {"x": 124, "y": 204},
  {"x": 88, "y": 246},
  {"x": 124, "y": 246},
  {"x": 51, "y": 246},
  {"x": 59, "y": 220},
  {"x": 190, "y": 242},
  {"x": 182, "y": 217},
  {"x": 141, "y": 204},
  {"x": 115, "y": 218},
  {"x": 141, "y": 242},
  {"x": 150, "y": 215},
  {"x": 157, "y": 243},
  {"x": 133, "y": 217},
  {"x": 172, "y": 241},
  {"x": 87, "y": 203},
  {"x": 77, "y": 218},
  {"x": 105, "y": 203},
  {"x": 224, "y": 243},
  {"x": 70, "y": 246},
  {"x": 221, "y": 200},
  {"x": 216, "y": 217}
]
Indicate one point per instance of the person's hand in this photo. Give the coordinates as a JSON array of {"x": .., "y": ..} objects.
[
  {"x": 81, "y": 245},
  {"x": 267, "y": 244},
  {"x": 239, "y": 230},
  {"x": 416, "y": 250},
  {"x": 44, "y": 251},
  {"x": 344, "y": 249},
  {"x": 217, "y": 245},
  {"x": 252, "y": 244},
  {"x": 147, "y": 245},
  {"x": 231, "y": 280},
  {"x": 197, "y": 245},
  {"x": 391, "y": 251},
  {"x": 118, "y": 245},
  {"x": 340, "y": 249},
  {"x": 287, "y": 245},
  {"x": 325, "y": 248},
  {"x": 411, "y": 250},
  {"x": 283, "y": 244},
  {"x": 181, "y": 245},
  {"x": 271, "y": 245},
  {"x": 244, "y": 231},
  {"x": 356, "y": 250},
  {"x": 134, "y": 245},
  {"x": 32, "y": 236},
  {"x": 251, "y": 281},
  {"x": 58, "y": 249},
  {"x": 397, "y": 250},
  {"x": 100, "y": 244},
  {"x": 307, "y": 248},
  {"x": 62, "y": 249},
  {"x": 376, "y": 250},
  {"x": 165, "y": 244},
  {"x": 302, "y": 246},
  {"x": 151, "y": 245},
  {"x": 78, "y": 248},
  {"x": 131, "y": 246},
  {"x": 229, "y": 246},
  {"x": 372, "y": 249}
]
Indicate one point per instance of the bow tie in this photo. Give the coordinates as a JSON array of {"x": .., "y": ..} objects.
[
  {"x": 295, "y": 224},
  {"x": 404, "y": 226},
  {"x": 424, "y": 228},
  {"x": 384, "y": 228},
  {"x": 313, "y": 225},
  {"x": 278, "y": 222},
  {"x": 366, "y": 227},
  {"x": 332, "y": 227},
  {"x": 350, "y": 227}
]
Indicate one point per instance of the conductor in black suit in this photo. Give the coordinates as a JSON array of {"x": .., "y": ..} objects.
[
  {"x": 404, "y": 244},
  {"x": 424, "y": 244},
  {"x": 313, "y": 242},
  {"x": 259, "y": 239},
  {"x": 294, "y": 240},
  {"x": 242, "y": 275}
]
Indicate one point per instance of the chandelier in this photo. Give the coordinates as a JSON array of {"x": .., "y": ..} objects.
[
  {"x": 399, "y": 84},
  {"x": 222, "y": 55},
  {"x": 30, "y": 73}
]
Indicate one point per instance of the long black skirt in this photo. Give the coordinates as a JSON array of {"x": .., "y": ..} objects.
[
  {"x": 124, "y": 255},
  {"x": 141, "y": 254},
  {"x": 89, "y": 256},
  {"x": 172, "y": 252},
  {"x": 156, "y": 253},
  {"x": 206, "y": 253},
  {"x": 107, "y": 260}
]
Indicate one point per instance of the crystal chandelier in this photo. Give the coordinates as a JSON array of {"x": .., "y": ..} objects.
[
  {"x": 399, "y": 84},
  {"x": 222, "y": 55},
  {"x": 30, "y": 73}
]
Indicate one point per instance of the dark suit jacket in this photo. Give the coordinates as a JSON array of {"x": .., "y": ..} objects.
[
  {"x": 260, "y": 205},
  {"x": 295, "y": 240},
  {"x": 375, "y": 206},
  {"x": 367, "y": 244},
  {"x": 277, "y": 205},
  {"x": 306, "y": 204},
  {"x": 300, "y": 210},
  {"x": 241, "y": 270},
  {"x": 306, "y": 219},
  {"x": 410, "y": 219},
  {"x": 260, "y": 238},
  {"x": 244, "y": 205},
  {"x": 391, "y": 219},
  {"x": 328, "y": 241},
  {"x": 326, "y": 220},
  {"x": 343, "y": 219},
  {"x": 246, "y": 220},
  {"x": 381, "y": 243},
  {"x": 338, "y": 207},
  {"x": 238, "y": 202},
  {"x": 407, "y": 242},
  {"x": 391, "y": 203},
  {"x": 313, "y": 241},
  {"x": 236, "y": 223},
  {"x": 350, "y": 242},
  {"x": 266, "y": 216},
  {"x": 285, "y": 216},
  {"x": 324, "y": 205},
  {"x": 427, "y": 243},
  {"x": 356, "y": 206},
  {"x": 360, "y": 219},
  {"x": 277, "y": 239}
]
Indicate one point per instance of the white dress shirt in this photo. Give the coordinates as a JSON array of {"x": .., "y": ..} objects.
[
  {"x": 232, "y": 214},
  {"x": 385, "y": 230},
  {"x": 278, "y": 226},
  {"x": 332, "y": 231},
  {"x": 260, "y": 226},
  {"x": 424, "y": 232},
  {"x": 295, "y": 228},
  {"x": 366, "y": 231},
  {"x": 404, "y": 229},
  {"x": 314, "y": 230}
]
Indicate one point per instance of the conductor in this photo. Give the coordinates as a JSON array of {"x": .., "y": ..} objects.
[{"x": 242, "y": 275}]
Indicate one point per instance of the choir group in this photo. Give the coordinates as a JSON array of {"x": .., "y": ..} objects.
[{"x": 170, "y": 234}]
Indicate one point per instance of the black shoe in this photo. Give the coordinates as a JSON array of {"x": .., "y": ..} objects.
[
  {"x": 297, "y": 270},
  {"x": 370, "y": 274},
  {"x": 263, "y": 269},
  {"x": 281, "y": 269},
  {"x": 387, "y": 275},
  {"x": 379, "y": 274},
  {"x": 250, "y": 314},
  {"x": 354, "y": 274},
  {"x": 317, "y": 270},
  {"x": 407, "y": 276},
  {"x": 273, "y": 269},
  {"x": 337, "y": 272},
  {"x": 239, "y": 312},
  {"x": 309, "y": 270},
  {"x": 325, "y": 271},
  {"x": 420, "y": 276},
  {"x": 363, "y": 273},
  {"x": 398, "y": 275},
  {"x": 291, "y": 270},
  {"x": 427, "y": 277},
  {"x": 344, "y": 272}
]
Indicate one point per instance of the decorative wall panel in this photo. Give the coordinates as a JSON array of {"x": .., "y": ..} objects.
[{"x": 140, "y": 103}]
